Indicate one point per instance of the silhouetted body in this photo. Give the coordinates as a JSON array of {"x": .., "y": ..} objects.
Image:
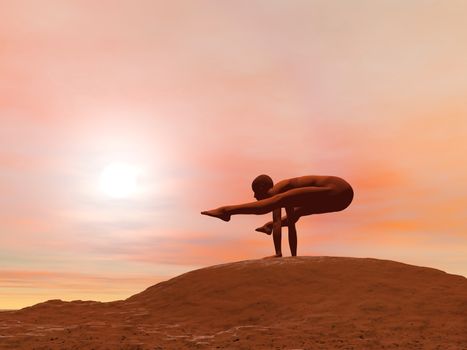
[{"x": 300, "y": 196}]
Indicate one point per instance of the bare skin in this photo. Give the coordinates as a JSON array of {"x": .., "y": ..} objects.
[
  {"x": 277, "y": 234},
  {"x": 300, "y": 196}
]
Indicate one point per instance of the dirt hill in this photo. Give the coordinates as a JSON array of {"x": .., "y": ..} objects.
[{"x": 287, "y": 303}]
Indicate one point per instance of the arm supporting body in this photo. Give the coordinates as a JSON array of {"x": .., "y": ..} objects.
[
  {"x": 277, "y": 230},
  {"x": 292, "y": 230}
]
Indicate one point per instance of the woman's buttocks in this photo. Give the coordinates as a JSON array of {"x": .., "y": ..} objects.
[
  {"x": 342, "y": 191},
  {"x": 337, "y": 184}
]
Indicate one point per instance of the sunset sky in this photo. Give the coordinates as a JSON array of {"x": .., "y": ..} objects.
[{"x": 200, "y": 97}]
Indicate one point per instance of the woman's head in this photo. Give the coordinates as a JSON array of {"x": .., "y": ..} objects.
[{"x": 261, "y": 185}]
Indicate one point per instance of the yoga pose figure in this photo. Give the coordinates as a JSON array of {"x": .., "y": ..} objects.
[{"x": 300, "y": 196}]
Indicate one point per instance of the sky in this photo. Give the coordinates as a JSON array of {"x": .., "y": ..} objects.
[{"x": 203, "y": 96}]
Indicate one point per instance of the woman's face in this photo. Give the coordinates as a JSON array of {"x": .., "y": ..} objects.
[{"x": 261, "y": 194}]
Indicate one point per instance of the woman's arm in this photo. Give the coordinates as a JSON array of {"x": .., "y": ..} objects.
[{"x": 276, "y": 230}]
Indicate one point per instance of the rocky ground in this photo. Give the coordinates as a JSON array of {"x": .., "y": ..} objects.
[{"x": 290, "y": 303}]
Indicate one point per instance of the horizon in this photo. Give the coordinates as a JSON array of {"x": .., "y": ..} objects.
[
  {"x": 121, "y": 124},
  {"x": 252, "y": 260}
]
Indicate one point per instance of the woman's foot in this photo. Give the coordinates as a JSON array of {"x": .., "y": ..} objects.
[
  {"x": 219, "y": 213},
  {"x": 273, "y": 256},
  {"x": 266, "y": 228}
]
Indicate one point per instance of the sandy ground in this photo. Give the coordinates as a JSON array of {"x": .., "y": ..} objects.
[{"x": 287, "y": 303}]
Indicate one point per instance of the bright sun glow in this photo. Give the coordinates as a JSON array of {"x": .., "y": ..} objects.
[{"x": 119, "y": 180}]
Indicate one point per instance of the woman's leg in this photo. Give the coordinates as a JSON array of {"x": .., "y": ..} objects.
[
  {"x": 262, "y": 206},
  {"x": 285, "y": 222},
  {"x": 291, "y": 198},
  {"x": 320, "y": 198}
]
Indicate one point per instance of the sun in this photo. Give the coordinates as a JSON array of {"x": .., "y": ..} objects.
[{"x": 119, "y": 180}]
